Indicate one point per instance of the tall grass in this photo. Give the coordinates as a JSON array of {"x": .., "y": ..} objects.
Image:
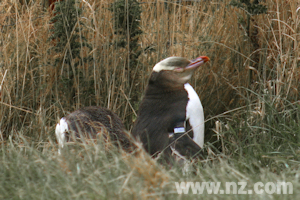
[{"x": 252, "y": 122}]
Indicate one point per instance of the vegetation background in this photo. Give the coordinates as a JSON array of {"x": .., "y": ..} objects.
[{"x": 249, "y": 91}]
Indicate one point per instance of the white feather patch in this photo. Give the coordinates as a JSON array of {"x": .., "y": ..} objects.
[
  {"x": 60, "y": 131},
  {"x": 195, "y": 114}
]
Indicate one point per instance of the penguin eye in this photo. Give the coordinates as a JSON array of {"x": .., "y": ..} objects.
[{"x": 178, "y": 69}]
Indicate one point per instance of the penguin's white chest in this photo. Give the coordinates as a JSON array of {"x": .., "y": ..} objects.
[{"x": 195, "y": 114}]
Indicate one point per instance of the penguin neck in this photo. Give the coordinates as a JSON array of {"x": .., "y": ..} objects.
[
  {"x": 161, "y": 90},
  {"x": 159, "y": 85}
]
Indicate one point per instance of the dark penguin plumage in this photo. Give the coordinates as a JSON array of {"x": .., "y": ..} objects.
[
  {"x": 90, "y": 121},
  {"x": 164, "y": 106}
]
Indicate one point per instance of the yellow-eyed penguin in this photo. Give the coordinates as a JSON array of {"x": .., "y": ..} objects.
[
  {"x": 171, "y": 106},
  {"x": 89, "y": 121}
]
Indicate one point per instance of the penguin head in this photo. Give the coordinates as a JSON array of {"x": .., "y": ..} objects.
[{"x": 178, "y": 69}]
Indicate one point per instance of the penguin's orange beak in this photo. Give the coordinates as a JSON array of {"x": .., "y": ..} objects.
[{"x": 197, "y": 62}]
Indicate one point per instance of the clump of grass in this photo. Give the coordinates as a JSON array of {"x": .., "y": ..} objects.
[
  {"x": 82, "y": 171},
  {"x": 88, "y": 170},
  {"x": 127, "y": 17},
  {"x": 262, "y": 133},
  {"x": 70, "y": 49}
]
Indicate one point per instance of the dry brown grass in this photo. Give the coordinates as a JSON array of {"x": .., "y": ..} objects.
[{"x": 33, "y": 95}]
